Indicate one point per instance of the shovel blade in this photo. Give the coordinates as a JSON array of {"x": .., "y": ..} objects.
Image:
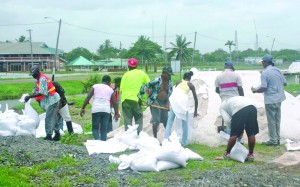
[{"x": 221, "y": 128}]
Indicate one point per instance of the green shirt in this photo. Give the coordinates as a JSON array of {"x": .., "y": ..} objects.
[{"x": 131, "y": 84}]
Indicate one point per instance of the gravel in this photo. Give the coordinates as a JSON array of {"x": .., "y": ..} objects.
[{"x": 28, "y": 151}]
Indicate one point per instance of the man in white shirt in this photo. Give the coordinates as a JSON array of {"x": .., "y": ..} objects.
[{"x": 239, "y": 113}]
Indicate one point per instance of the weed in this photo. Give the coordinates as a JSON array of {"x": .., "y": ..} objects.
[{"x": 113, "y": 183}]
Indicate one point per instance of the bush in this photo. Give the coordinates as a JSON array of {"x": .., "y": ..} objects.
[{"x": 90, "y": 81}]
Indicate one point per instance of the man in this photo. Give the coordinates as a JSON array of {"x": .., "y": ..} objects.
[
  {"x": 272, "y": 85},
  {"x": 116, "y": 88},
  {"x": 45, "y": 94},
  {"x": 240, "y": 114},
  {"x": 130, "y": 87},
  {"x": 160, "y": 88},
  {"x": 64, "y": 113},
  {"x": 228, "y": 83}
]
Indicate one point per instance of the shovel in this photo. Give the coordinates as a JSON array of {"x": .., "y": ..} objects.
[{"x": 221, "y": 128}]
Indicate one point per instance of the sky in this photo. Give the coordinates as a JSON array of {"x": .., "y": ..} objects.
[{"x": 88, "y": 23}]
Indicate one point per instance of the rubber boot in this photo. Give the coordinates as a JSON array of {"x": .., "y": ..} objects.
[
  {"x": 48, "y": 137},
  {"x": 70, "y": 127},
  {"x": 56, "y": 136},
  {"x": 155, "y": 129}
]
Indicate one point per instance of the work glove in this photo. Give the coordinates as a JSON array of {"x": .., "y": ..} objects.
[{"x": 26, "y": 98}]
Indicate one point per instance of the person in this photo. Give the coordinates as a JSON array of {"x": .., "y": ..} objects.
[
  {"x": 63, "y": 112},
  {"x": 179, "y": 104},
  {"x": 229, "y": 83},
  {"x": 48, "y": 99},
  {"x": 117, "y": 81},
  {"x": 161, "y": 88},
  {"x": 102, "y": 94},
  {"x": 272, "y": 85},
  {"x": 130, "y": 87},
  {"x": 240, "y": 114}
]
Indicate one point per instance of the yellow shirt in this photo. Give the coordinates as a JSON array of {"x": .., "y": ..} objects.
[{"x": 131, "y": 83}]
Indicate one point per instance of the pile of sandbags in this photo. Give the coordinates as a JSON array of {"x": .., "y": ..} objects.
[{"x": 13, "y": 124}]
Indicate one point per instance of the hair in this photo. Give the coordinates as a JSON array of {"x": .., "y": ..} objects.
[
  {"x": 188, "y": 75},
  {"x": 106, "y": 79},
  {"x": 117, "y": 79}
]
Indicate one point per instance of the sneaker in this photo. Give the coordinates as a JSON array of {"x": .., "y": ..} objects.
[
  {"x": 250, "y": 157},
  {"x": 269, "y": 143},
  {"x": 226, "y": 156},
  {"x": 48, "y": 137}
]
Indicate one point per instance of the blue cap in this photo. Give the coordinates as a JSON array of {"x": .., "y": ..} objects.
[
  {"x": 267, "y": 58},
  {"x": 229, "y": 63}
]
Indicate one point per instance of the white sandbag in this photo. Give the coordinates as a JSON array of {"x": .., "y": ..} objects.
[
  {"x": 115, "y": 124},
  {"x": 224, "y": 135},
  {"x": 32, "y": 114},
  {"x": 9, "y": 124},
  {"x": 292, "y": 145},
  {"x": 113, "y": 159},
  {"x": 26, "y": 126},
  {"x": 239, "y": 152},
  {"x": 165, "y": 165},
  {"x": 7, "y": 133},
  {"x": 191, "y": 155},
  {"x": 172, "y": 156},
  {"x": 144, "y": 163},
  {"x": 126, "y": 160},
  {"x": 109, "y": 146}
]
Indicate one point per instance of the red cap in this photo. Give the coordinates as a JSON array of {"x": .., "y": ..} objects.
[{"x": 133, "y": 62}]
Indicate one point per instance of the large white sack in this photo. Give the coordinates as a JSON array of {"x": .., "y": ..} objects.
[
  {"x": 26, "y": 126},
  {"x": 109, "y": 146},
  {"x": 177, "y": 157},
  {"x": 7, "y": 133},
  {"x": 9, "y": 123},
  {"x": 32, "y": 114},
  {"x": 239, "y": 152},
  {"x": 144, "y": 163},
  {"x": 166, "y": 165}
]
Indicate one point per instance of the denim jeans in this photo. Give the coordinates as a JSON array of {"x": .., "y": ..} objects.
[
  {"x": 170, "y": 121},
  {"x": 273, "y": 112},
  {"x": 51, "y": 120},
  {"x": 100, "y": 124}
]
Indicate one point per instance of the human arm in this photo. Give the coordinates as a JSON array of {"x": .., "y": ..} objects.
[
  {"x": 217, "y": 90},
  {"x": 192, "y": 88},
  {"x": 116, "y": 106},
  {"x": 241, "y": 90},
  {"x": 32, "y": 96},
  {"x": 86, "y": 101}
]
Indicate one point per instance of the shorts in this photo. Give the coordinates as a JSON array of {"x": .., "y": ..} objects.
[
  {"x": 159, "y": 115},
  {"x": 245, "y": 119}
]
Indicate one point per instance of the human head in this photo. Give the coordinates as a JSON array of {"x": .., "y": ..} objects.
[
  {"x": 188, "y": 75},
  {"x": 132, "y": 63},
  {"x": 229, "y": 65},
  {"x": 168, "y": 70},
  {"x": 267, "y": 60},
  {"x": 117, "y": 82},
  {"x": 35, "y": 71},
  {"x": 106, "y": 79}
]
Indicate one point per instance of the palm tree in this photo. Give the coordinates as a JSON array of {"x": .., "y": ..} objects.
[
  {"x": 22, "y": 39},
  {"x": 229, "y": 43},
  {"x": 145, "y": 50},
  {"x": 180, "y": 49}
]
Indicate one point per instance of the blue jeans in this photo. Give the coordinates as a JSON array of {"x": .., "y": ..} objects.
[
  {"x": 170, "y": 121},
  {"x": 100, "y": 122},
  {"x": 51, "y": 120}
]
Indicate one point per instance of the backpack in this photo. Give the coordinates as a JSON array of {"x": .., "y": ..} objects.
[{"x": 59, "y": 89}]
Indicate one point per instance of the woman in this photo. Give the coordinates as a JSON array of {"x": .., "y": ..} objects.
[
  {"x": 102, "y": 94},
  {"x": 179, "y": 102}
]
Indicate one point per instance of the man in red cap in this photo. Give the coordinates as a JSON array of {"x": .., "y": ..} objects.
[{"x": 130, "y": 87}]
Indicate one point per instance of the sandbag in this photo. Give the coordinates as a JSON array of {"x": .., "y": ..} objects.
[
  {"x": 144, "y": 163},
  {"x": 239, "y": 152},
  {"x": 32, "y": 114},
  {"x": 165, "y": 165}
]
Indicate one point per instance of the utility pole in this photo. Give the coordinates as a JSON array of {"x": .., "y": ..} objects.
[
  {"x": 56, "y": 51},
  {"x": 29, "y": 30},
  {"x": 272, "y": 46},
  {"x": 194, "y": 48}
]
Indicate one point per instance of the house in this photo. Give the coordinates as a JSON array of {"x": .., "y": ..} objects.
[
  {"x": 80, "y": 64},
  {"x": 17, "y": 56}
]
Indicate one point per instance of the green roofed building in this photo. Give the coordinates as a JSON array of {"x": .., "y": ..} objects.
[
  {"x": 80, "y": 63},
  {"x": 17, "y": 56}
]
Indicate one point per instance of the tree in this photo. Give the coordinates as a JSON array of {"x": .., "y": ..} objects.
[
  {"x": 22, "y": 39},
  {"x": 180, "y": 49},
  {"x": 107, "y": 51},
  {"x": 79, "y": 51},
  {"x": 145, "y": 50},
  {"x": 229, "y": 43}
]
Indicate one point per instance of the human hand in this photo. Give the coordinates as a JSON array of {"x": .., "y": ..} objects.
[
  {"x": 196, "y": 114},
  {"x": 253, "y": 90},
  {"x": 117, "y": 116},
  {"x": 26, "y": 98}
]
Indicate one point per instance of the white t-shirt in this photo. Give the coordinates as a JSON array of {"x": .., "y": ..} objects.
[{"x": 101, "y": 98}]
